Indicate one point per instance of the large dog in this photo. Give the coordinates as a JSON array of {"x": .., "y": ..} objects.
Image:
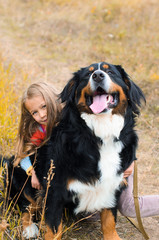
[{"x": 91, "y": 147}]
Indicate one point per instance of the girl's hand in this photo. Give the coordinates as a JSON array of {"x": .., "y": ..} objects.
[
  {"x": 34, "y": 181},
  {"x": 129, "y": 170}
]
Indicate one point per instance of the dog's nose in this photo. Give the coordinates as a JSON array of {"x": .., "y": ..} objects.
[{"x": 98, "y": 76}]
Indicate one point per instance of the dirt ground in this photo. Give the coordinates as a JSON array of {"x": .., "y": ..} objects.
[{"x": 48, "y": 40}]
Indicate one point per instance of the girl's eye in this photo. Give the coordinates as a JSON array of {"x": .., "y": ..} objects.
[
  {"x": 34, "y": 113},
  {"x": 44, "y": 106}
]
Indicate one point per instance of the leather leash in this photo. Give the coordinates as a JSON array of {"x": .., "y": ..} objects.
[{"x": 137, "y": 224}]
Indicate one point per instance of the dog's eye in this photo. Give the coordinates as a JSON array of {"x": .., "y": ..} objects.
[
  {"x": 89, "y": 74},
  {"x": 109, "y": 72}
]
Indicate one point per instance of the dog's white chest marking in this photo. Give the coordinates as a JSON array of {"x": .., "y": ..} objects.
[{"x": 102, "y": 194}]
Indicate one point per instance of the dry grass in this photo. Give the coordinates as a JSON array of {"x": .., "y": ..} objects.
[
  {"x": 9, "y": 108},
  {"x": 49, "y": 39}
]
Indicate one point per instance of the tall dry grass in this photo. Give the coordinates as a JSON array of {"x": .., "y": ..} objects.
[
  {"x": 10, "y": 220},
  {"x": 10, "y": 94},
  {"x": 9, "y": 109}
]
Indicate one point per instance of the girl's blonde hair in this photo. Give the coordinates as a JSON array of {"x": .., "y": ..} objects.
[{"x": 28, "y": 125}]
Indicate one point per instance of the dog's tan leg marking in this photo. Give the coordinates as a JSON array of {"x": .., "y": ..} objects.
[
  {"x": 30, "y": 230},
  {"x": 27, "y": 216},
  {"x": 49, "y": 235},
  {"x": 108, "y": 225},
  {"x": 26, "y": 219},
  {"x": 33, "y": 207}
]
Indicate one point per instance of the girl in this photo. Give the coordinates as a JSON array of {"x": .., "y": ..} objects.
[
  {"x": 149, "y": 204},
  {"x": 35, "y": 124}
]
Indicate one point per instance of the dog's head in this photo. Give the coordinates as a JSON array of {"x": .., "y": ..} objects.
[{"x": 102, "y": 88}]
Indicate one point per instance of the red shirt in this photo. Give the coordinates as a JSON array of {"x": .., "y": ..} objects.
[{"x": 39, "y": 135}]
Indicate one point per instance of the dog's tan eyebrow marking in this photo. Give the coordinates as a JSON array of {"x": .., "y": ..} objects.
[
  {"x": 105, "y": 66},
  {"x": 91, "y": 68}
]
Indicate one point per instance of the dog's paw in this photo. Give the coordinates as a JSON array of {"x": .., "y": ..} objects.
[{"x": 30, "y": 231}]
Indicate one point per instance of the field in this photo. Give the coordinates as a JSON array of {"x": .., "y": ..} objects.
[{"x": 47, "y": 40}]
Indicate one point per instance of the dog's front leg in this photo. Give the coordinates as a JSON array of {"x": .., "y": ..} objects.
[
  {"x": 108, "y": 225},
  {"x": 53, "y": 216}
]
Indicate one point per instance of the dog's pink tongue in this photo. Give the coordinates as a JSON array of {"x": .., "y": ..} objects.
[{"x": 99, "y": 103}]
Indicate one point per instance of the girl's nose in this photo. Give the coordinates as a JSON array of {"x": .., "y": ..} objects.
[{"x": 42, "y": 114}]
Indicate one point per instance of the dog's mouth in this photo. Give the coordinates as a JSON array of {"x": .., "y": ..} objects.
[{"x": 102, "y": 101}]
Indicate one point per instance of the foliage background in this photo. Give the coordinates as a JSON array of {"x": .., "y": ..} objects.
[{"x": 47, "y": 40}]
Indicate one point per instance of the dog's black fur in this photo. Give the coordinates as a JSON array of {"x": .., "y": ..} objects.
[{"x": 75, "y": 148}]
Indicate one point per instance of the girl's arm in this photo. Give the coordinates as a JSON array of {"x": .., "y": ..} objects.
[
  {"x": 129, "y": 170},
  {"x": 26, "y": 165},
  {"x": 34, "y": 180}
]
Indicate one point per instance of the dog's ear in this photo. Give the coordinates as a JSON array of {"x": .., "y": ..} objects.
[
  {"x": 135, "y": 94},
  {"x": 68, "y": 93}
]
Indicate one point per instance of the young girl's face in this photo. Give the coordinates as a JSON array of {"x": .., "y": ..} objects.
[{"x": 37, "y": 108}]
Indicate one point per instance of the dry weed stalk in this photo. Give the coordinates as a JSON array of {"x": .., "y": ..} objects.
[
  {"x": 6, "y": 187},
  {"x": 17, "y": 198},
  {"x": 8, "y": 235},
  {"x": 3, "y": 227},
  {"x": 50, "y": 176},
  {"x": 7, "y": 181},
  {"x": 21, "y": 188}
]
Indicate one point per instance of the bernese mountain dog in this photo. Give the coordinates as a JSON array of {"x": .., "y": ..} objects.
[{"x": 91, "y": 147}]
